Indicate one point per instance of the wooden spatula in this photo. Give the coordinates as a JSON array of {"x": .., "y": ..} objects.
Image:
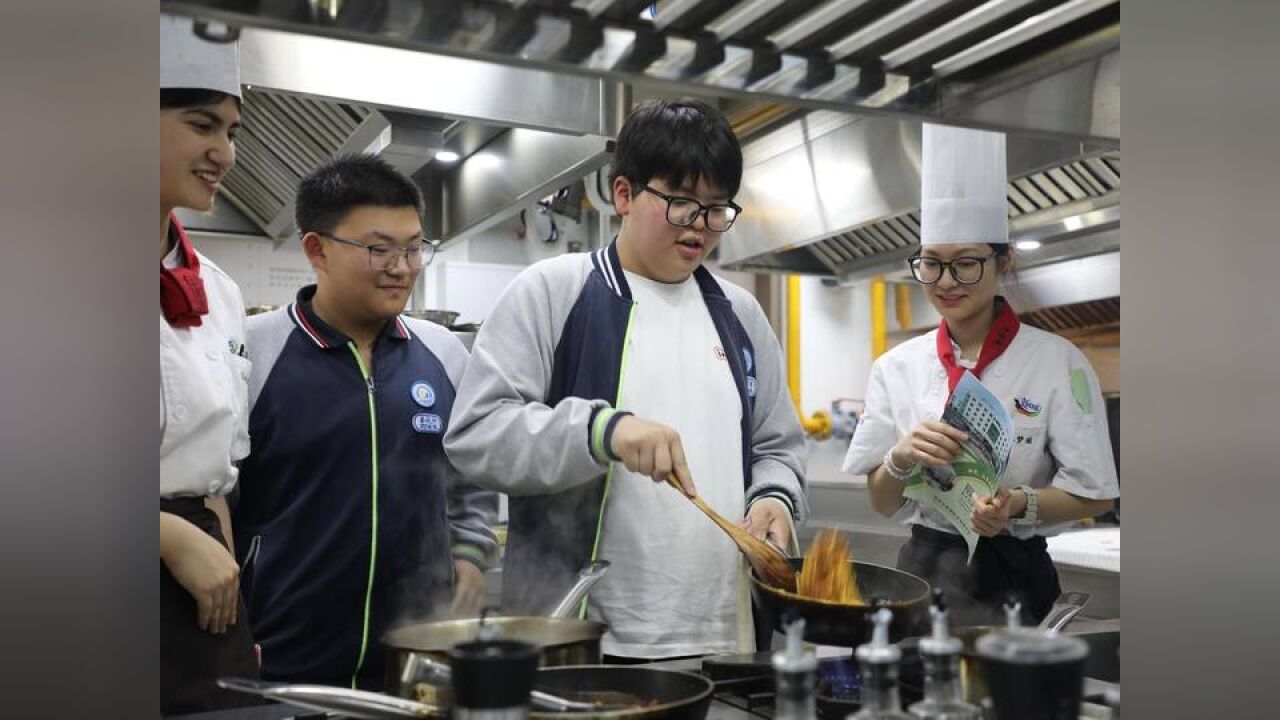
[{"x": 770, "y": 564}]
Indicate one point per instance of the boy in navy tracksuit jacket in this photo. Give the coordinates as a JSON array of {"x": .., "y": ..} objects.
[{"x": 350, "y": 518}]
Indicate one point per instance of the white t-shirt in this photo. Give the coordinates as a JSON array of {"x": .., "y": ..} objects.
[
  {"x": 204, "y": 392},
  {"x": 674, "y": 587}
]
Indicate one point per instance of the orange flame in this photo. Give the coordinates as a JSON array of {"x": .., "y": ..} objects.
[{"x": 827, "y": 573}]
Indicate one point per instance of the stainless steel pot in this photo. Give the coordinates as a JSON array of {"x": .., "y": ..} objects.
[
  {"x": 563, "y": 640},
  {"x": 973, "y": 685},
  {"x": 439, "y": 317}
]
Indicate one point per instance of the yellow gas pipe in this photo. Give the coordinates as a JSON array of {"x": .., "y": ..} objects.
[
  {"x": 819, "y": 424},
  {"x": 878, "y": 332},
  {"x": 902, "y": 303}
]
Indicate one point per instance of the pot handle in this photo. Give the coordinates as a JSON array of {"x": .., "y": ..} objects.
[
  {"x": 586, "y": 578},
  {"x": 419, "y": 668},
  {"x": 246, "y": 685},
  {"x": 1064, "y": 610}
]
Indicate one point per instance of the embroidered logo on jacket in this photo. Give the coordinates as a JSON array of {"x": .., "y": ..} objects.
[
  {"x": 720, "y": 354},
  {"x": 1024, "y": 406},
  {"x": 428, "y": 423},
  {"x": 423, "y": 393},
  {"x": 1081, "y": 391}
]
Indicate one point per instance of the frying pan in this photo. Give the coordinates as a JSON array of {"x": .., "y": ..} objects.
[
  {"x": 666, "y": 694},
  {"x": 844, "y": 624}
]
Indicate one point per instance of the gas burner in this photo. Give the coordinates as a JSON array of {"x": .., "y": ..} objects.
[{"x": 746, "y": 682}]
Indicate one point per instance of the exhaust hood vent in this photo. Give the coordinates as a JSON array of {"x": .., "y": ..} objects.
[
  {"x": 1074, "y": 181},
  {"x": 283, "y": 137},
  {"x": 1066, "y": 200},
  {"x": 1077, "y": 316}
]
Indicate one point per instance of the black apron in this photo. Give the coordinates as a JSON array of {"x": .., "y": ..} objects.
[
  {"x": 192, "y": 659},
  {"x": 975, "y": 592}
]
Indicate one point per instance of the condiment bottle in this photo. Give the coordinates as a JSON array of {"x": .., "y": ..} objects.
[
  {"x": 795, "y": 674},
  {"x": 879, "y": 661},
  {"x": 941, "y": 655}
]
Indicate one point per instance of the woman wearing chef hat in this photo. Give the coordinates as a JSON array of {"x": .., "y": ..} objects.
[
  {"x": 1060, "y": 468},
  {"x": 203, "y": 382}
]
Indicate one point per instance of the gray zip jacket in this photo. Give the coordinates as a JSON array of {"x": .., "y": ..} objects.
[{"x": 541, "y": 386}]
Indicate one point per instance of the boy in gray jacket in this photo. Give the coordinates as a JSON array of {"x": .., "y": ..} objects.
[{"x": 597, "y": 376}]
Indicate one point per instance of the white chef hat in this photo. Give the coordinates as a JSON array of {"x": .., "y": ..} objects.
[
  {"x": 188, "y": 60},
  {"x": 962, "y": 187}
]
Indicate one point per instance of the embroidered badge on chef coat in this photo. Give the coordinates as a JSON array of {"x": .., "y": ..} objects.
[
  {"x": 428, "y": 423},
  {"x": 1024, "y": 406},
  {"x": 1080, "y": 391},
  {"x": 423, "y": 393}
]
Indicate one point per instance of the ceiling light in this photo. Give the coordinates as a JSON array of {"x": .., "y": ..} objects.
[
  {"x": 485, "y": 160},
  {"x": 1027, "y": 244},
  {"x": 447, "y": 156}
]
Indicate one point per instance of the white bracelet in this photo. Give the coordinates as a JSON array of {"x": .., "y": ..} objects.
[{"x": 894, "y": 471}]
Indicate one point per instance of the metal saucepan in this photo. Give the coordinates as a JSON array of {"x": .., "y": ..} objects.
[
  {"x": 844, "y": 624},
  {"x": 563, "y": 640},
  {"x": 439, "y": 317},
  {"x": 973, "y": 686}
]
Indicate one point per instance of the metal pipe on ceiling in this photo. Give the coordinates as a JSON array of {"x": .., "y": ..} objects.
[
  {"x": 812, "y": 22},
  {"x": 883, "y": 26},
  {"x": 1024, "y": 31},
  {"x": 973, "y": 20},
  {"x": 741, "y": 16}
]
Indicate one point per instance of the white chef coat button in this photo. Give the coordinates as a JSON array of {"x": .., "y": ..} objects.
[{"x": 179, "y": 413}]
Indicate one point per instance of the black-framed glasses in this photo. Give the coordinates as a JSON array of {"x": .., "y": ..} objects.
[
  {"x": 965, "y": 270},
  {"x": 684, "y": 211},
  {"x": 384, "y": 256}
]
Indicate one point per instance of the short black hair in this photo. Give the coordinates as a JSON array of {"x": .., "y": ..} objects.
[
  {"x": 678, "y": 141},
  {"x": 347, "y": 182},
  {"x": 171, "y": 98}
]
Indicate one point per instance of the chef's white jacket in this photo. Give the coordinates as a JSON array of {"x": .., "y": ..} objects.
[
  {"x": 204, "y": 392},
  {"x": 1060, "y": 433}
]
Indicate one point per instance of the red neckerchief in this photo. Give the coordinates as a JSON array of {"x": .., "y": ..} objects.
[
  {"x": 182, "y": 297},
  {"x": 997, "y": 341}
]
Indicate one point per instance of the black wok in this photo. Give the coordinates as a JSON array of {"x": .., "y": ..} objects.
[
  {"x": 843, "y": 624},
  {"x": 663, "y": 694}
]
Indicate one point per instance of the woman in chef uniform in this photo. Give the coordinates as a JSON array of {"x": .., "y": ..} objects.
[
  {"x": 1060, "y": 468},
  {"x": 203, "y": 383}
]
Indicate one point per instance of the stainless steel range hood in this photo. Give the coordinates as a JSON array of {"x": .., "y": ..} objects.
[
  {"x": 839, "y": 196},
  {"x": 309, "y": 98},
  {"x": 1048, "y": 66}
]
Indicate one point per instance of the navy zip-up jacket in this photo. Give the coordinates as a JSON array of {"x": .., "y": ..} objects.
[{"x": 349, "y": 515}]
